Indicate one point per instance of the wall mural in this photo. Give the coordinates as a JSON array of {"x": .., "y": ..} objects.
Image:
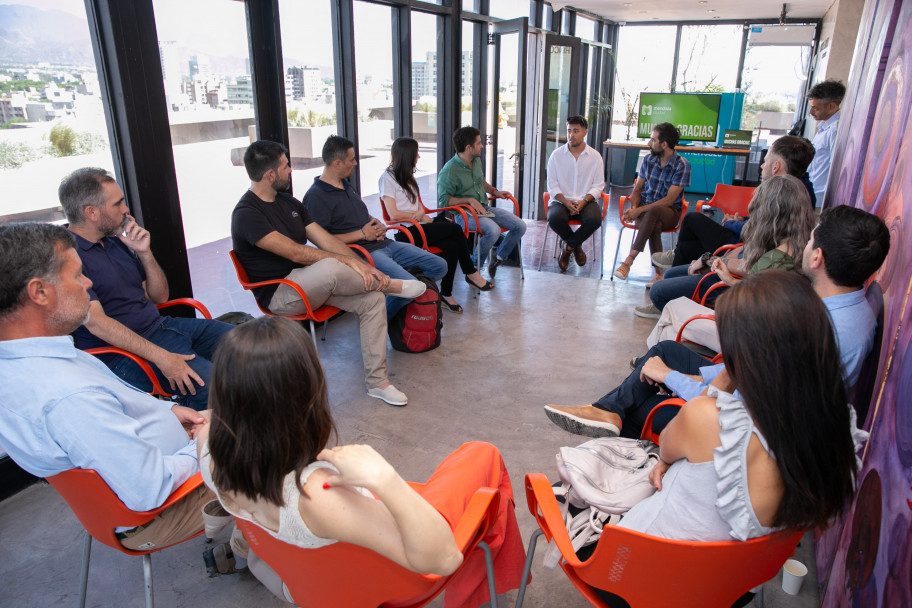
[{"x": 865, "y": 559}]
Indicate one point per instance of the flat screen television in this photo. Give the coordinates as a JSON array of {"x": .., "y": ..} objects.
[{"x": 696, "y": 115}]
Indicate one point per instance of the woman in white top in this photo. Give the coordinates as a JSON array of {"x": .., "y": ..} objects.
[
  {"x": 779, "y": 453},
  {"x": 399, "y": 192},
  {"x": 264, "y": 455}
]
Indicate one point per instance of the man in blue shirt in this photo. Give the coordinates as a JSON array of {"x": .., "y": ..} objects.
[
  {"x": 61, "y": 408},
  {"x": 337, "y": 208},
  {"x": 846, "y": 248},
  {"x": 823, "y": 106},
  {"x": 657, "y": 196},
  {"x": 127, "y": 285}
]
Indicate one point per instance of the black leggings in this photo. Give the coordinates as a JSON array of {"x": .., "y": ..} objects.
[{"x": 449, "y": 237}]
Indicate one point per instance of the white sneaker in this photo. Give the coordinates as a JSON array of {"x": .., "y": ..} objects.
[
  {"x": 391, "y": 394},
  {"x": 411, "y": 289},
  {"x": 663, "y": 259},
  {"x": 649, "y": 311}
]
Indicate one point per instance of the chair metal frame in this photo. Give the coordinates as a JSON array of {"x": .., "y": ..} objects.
[
  {"x": 100, "y": 511},
  {"x": 522, "y": 274},
  {"x": 572, "y": 222},
  {"x": 673, "y": 231},
  {"x": 343, "y": 574}
]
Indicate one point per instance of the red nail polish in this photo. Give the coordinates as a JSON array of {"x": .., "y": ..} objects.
[{"x": 325, "y": 485}]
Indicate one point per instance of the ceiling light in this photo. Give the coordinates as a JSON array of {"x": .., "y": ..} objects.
[
  {"x": 710, "y": 10},
  {"x": 703, "y": 2},
  {"x": 717, "y": 17},
  {"x": 628, "y": 4}
]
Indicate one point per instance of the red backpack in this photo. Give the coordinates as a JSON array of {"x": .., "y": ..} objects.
[{"x": 416, "y": 327}]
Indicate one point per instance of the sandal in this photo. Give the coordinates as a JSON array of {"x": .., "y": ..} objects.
[
  {"x": 451, "y": 307},
  {"x": 488, "y": 286}
]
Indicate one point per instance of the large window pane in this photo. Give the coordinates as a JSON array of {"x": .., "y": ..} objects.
[
  {"x": 307, "y": 56},
  {"x": 585, "y": 28},
  {"x": 709, "y": 58},
  {"x": 645, "y": 61},
  {"x": 210, "y": 107},
  {"x": 424, "y": 100},
  {"x": 51, "y": 114},
  {"x": 773, "y": 80},
  {"x": 509, "y": 9},
  {"x": 374, "y": 75}
]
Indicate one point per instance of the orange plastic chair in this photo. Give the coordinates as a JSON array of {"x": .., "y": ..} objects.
[
  {"x": 572, "y": 222},
  {"x": 651, "y": 571},
  {"x": 320, "y": 315},
  {"x": 729, "y": 199},
  {"x": 621, "y": 205},
  {"x": 522, "y": 275},
  {"x": 461, "y": 209},
  {"x": 343, "y": 574},
  {"x": 718, "y": 286},
  {"x": 100, "y": 511},
  {"x": 157, "y": 390}
]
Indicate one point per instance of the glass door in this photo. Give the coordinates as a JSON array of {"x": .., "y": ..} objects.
[
  {"x": 507, "y": 92},
  {"x": 561, "y": 96}
]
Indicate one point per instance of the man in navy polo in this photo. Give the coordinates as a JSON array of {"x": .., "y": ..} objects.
[
  {"x": 127, "y": 284},
  {"x": 337, "y": 208}
]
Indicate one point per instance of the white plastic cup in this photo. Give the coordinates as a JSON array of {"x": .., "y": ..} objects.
[{"x": 793, "y": 573}]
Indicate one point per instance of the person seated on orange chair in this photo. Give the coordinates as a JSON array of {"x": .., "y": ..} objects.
[
  {"x": 846, "y": 249},
  {"x": 399, "y": 192},
  {"x": 789, "y": 155},
  {"x": 264, "y": 454},
  {"x": 576, "y": 179},
  {"x": 779, "y": 454},
  {"x": 738, "y": 468},
  {"x": 657, "y": 196},
  {"x": 62, "y": 409},
  {"x": 274, "y": 237}
]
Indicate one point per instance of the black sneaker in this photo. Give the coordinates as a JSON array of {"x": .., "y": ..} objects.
[{"x": 493, "y": 264}]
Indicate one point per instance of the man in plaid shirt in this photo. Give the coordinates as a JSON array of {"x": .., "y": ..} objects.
[{"x": 657, "y": 196}]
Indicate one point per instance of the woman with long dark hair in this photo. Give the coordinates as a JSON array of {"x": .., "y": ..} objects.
[
  {"x": 399, "y": 192},
  {"x": 779, "y": 452},
  {"x": 265, "y": 455}
]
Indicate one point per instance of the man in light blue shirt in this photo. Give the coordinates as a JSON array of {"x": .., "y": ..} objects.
[
  {"x": 823, "y": 106},
  {"x": 61, "y": 408},
  {"x": 847, "y": 246}
]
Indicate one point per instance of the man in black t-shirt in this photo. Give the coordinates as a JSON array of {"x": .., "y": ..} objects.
[{"x": 270, "y": 230}]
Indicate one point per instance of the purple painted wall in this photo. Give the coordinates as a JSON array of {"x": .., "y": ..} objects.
[{"x": 865, "y": 559}]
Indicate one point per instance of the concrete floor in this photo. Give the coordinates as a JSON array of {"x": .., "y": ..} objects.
[{"x": 549, "y": 339}]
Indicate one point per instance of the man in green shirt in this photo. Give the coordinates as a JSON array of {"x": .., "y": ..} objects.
[{"x": 461, "y": 182}]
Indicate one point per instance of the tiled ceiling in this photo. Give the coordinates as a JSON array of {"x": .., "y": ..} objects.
[{"x": 697, "y": 10}]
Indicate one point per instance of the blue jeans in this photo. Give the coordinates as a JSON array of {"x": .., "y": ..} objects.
[
  {"x": 490, "y": 228},
  {"x": 634, "y": 399},
  {"x": 393, "y": 260},
  {"x": 177, "y": 335},
  {"x": 676, "y": 284}
]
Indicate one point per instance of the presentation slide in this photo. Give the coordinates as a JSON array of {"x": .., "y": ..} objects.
[{"x": 696, "y": 115}]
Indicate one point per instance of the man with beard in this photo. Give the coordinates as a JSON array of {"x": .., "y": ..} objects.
[
  {"x": 62, "y": 409},
  {"x": 333, "y": 203},
  {"x": 576, "y": 178},
  {"x": 657, "y": 196},
  {"x": 127, "y": 284},
  {"x": 270, "y": 231}
]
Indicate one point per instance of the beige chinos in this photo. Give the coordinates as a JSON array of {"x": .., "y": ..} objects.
[{"x": 331, "y": 282}]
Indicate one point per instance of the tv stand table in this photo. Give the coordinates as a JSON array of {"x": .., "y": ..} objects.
[{"x": 641, "y": 144}]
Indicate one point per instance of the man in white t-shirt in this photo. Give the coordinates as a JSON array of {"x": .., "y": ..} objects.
[{"x": 576, "y": 179}]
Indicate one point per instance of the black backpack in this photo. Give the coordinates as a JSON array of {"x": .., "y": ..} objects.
[{"x": 416, "y": 327}]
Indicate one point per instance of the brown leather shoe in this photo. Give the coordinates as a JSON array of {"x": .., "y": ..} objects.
[
  {"x": 580, "y": 256},
  {"x": 584, "y": 420},
  {"x": 564, "y": 260}
]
